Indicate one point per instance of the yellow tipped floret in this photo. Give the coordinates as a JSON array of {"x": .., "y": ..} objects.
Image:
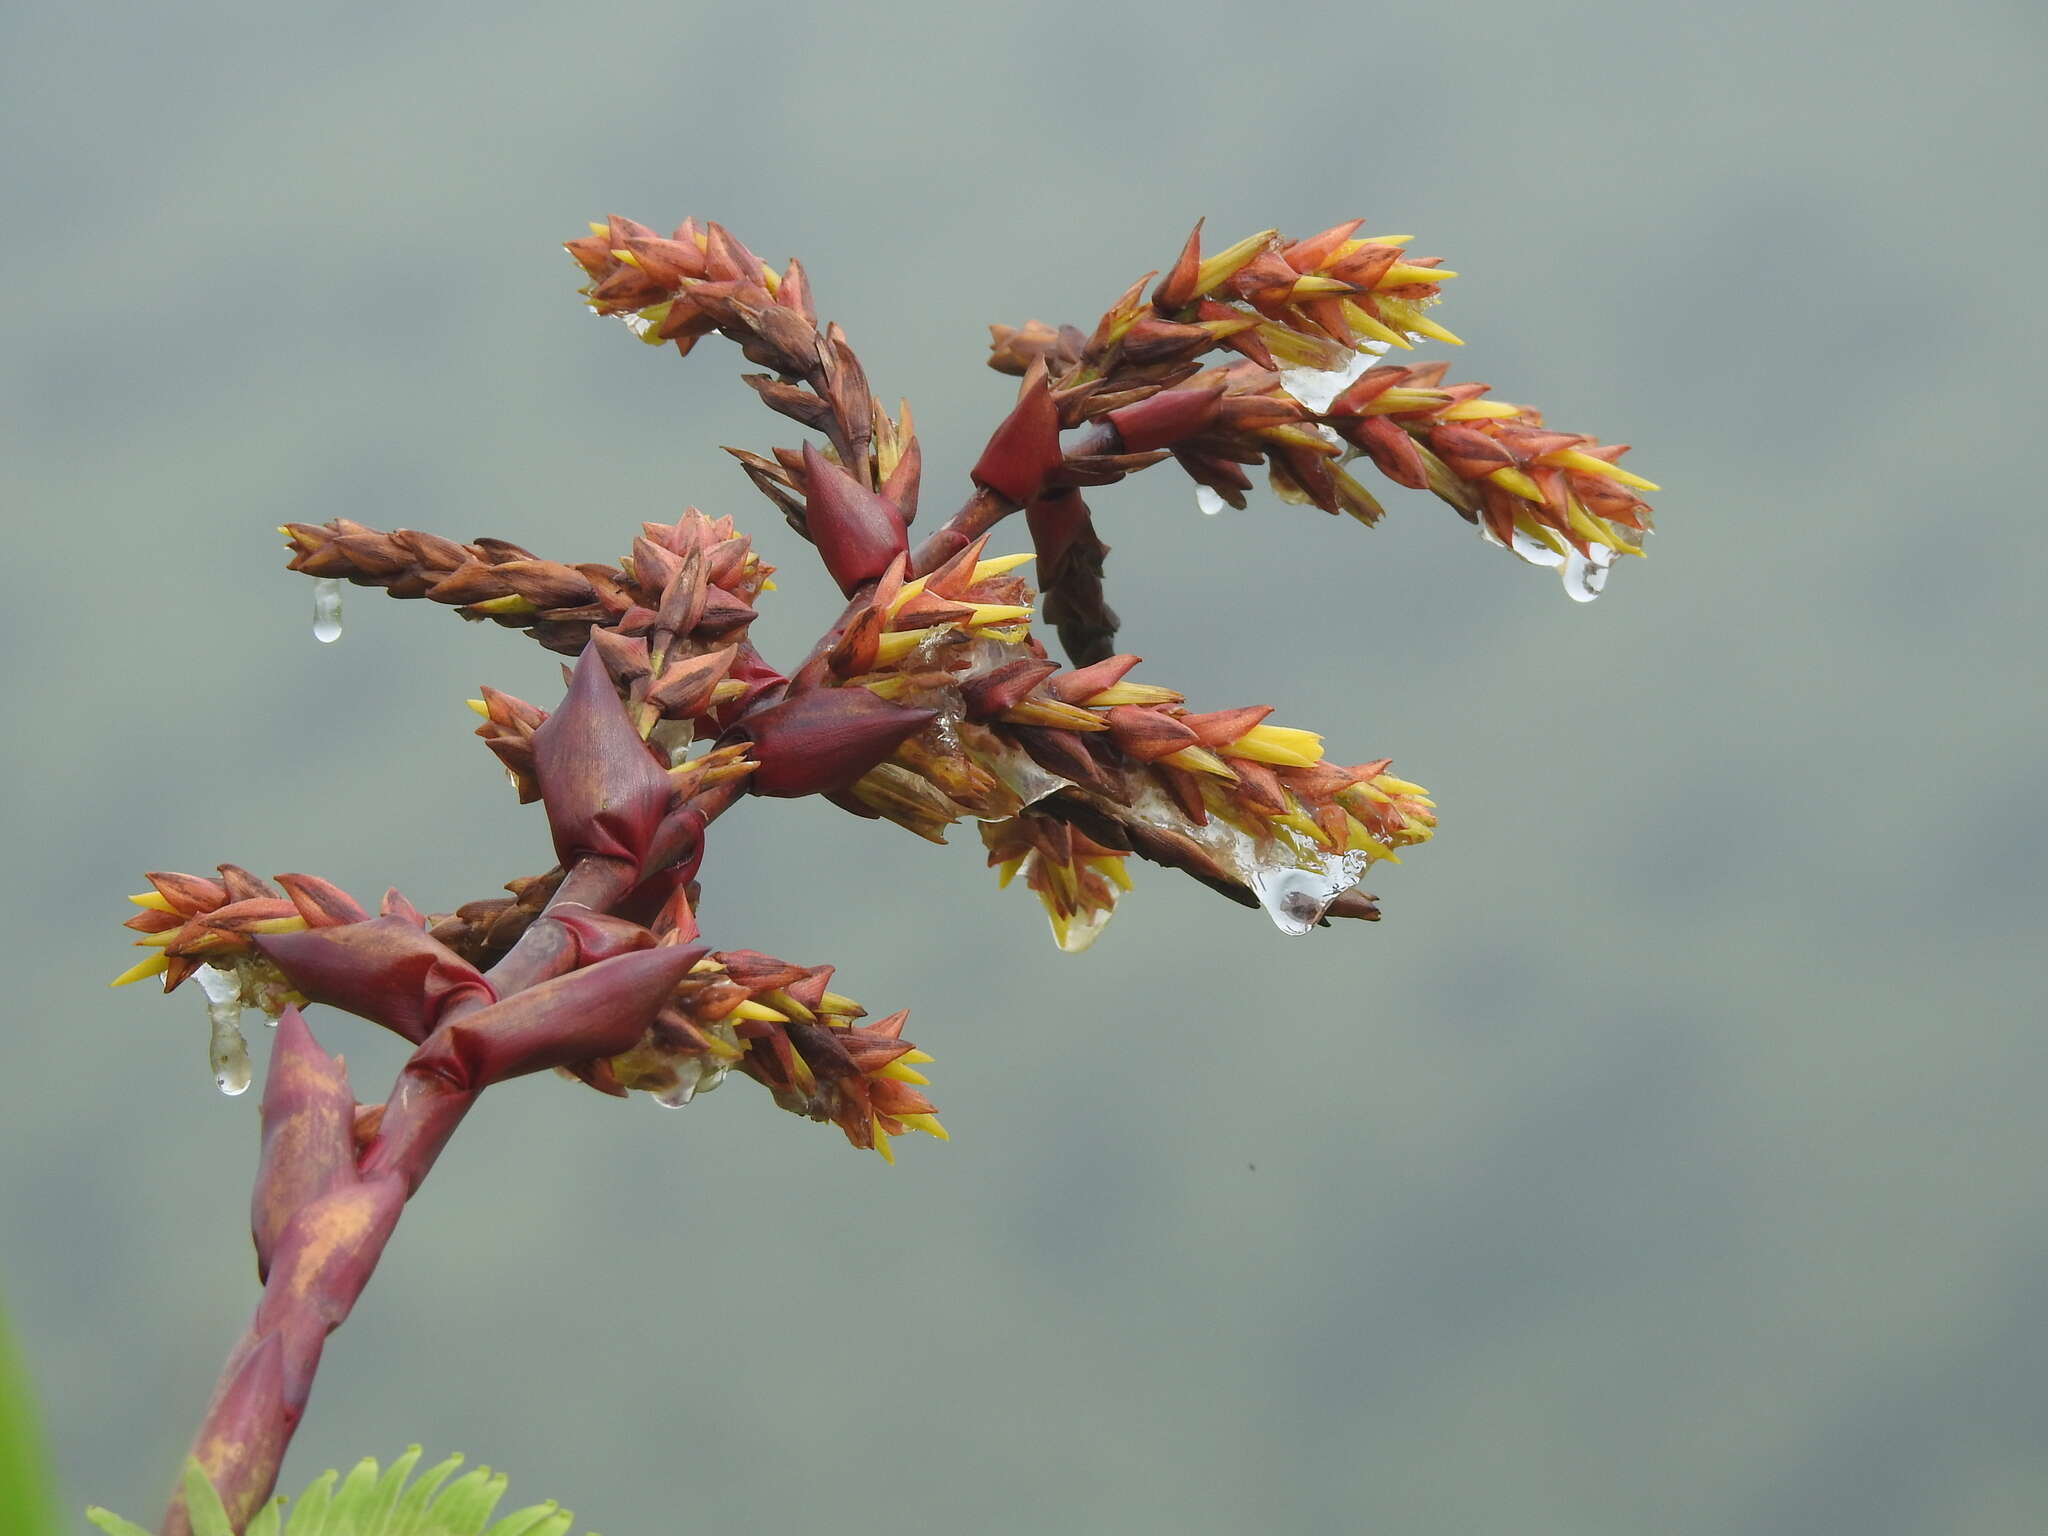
[
  {"x": 985, "y": 615},
  {"x": 1402, "y": 273},
  {"x": 152, "y": 901},
  {"x": 153, "y": 965},
  {"x": 758, "y": 1013},
  {"x": 840, "y": 1003},
  {"x": 1111, "y": 867},
  {"x": 789, "y": 1005},
  {"x": 882, "y": 1140},
  {"x": 1227, "y": 263},
  {"x": 1367, "y": 326},
  {"x": 1281, "y": 745},
  {"x": 1132, "y": 693},
  {"x": 1589, "y": 527},
  {"x": 1316, "y": 286},
  {"x": 1578, "y": 458},
  {"x": 893, "y": 647},
  {"x": 627, "y": 257},
  {"x": 929, "y": 1124},
  {"x": 1200, "y": 760},
  {"x": 1424, "y": 326},
  {"x": 1001, "y": 565},
  {"x": 1294, "y": 350},
  {"x": 722, "y": 1048},
  {"x": 479, "y": 706},
  {"x": 1054, "y": 715},
  {"x": 706, "y": 964},
  {"x": 511, "y": 605},
  {"x": 292, "y": 924},
  {"x": 770, "y": 279},
  {"x": 915, "y": 1056},
  {"x": 1388, "y": 782},
  {"x": 1508, "y": 478},
  {"x": 897, "y": 1072},
  {"x": 598, "y": 229},
  {"x": 1007, "y": 871},
  {"x": 1477, "y": 410}
]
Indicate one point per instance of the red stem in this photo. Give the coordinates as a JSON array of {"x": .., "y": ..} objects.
[{"x": 319, "y": 1270}]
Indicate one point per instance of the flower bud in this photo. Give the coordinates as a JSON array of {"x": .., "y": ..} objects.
[
  {"x": 604, "y": 793},
  {"x": 385, "y": 970},
  {"x": 1025, "y": 449},
  {"x": 858, "y": 531},
  {"x": 823, "y": 739}
]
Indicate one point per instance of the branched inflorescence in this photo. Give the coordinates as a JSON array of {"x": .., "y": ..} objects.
[{"x": 928, "y": 701}]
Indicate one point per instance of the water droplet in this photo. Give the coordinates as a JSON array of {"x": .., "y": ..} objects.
[
  {"x": 678, "y": 1096},
  {"x": 1296, "y": 896},
  {"x": 1082, "y": 929},
  {"x": 1316, "y": 388},
  {"x": 1534, "y": 550},
  {"x": 1209, "y": 501},
  {"x": 1586, "y": 575},
  {"x": 327, "y": 610},
  {"x": 226, "y": 1051}
]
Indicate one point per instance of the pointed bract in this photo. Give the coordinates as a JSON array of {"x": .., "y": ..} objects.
[
  {"x": 604, "y": 793},
  {"x": 822, "y": 740},
  {"x": 858, "y": 532}
]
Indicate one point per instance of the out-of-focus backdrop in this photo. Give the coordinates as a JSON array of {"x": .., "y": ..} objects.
[{"x": 1669, "y": 1159}]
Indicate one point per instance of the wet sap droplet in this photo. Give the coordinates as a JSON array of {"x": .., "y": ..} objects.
[
  {"x": 1209, "y": 502},
  {"x": 226, "y": 1051},
  {"x": 327, "y": 610},
  {"x": 1586, "y": 575}
]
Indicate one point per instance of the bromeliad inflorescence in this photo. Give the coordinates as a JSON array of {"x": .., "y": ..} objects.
[{"x": 928, "y": 701}]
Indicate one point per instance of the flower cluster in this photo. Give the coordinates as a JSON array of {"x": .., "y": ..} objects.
[
  {"x": 930, "y": 700},
  {"x": 927, "y": 701}
]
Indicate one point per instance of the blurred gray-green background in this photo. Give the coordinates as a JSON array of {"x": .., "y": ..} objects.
[{"x": 1669, "y": 1160}]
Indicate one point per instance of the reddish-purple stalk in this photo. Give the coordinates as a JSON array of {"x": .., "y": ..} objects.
[{"x": 264, "y": 1385}]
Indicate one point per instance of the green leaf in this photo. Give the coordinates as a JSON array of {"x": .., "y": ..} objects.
[
  {"x": 367, "y": 1503},
  {"x": 410, "y": 1514},
  {"x": 203, "y": 1507},
  {"x": 465, "y": 1508},
  {"x": 389, "y": 1486},
  {"x": 309, "y": 1513},
  {"x": 25, "y": 1503},
  {"x": 352, "y": 1502},
  {"x": 548, "y": 1519}
]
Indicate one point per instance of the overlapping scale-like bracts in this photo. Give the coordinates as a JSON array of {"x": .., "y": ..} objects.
[
  {"x": 1077, "y": 769},
  {"x": 781, "y": 1025},
  {"x": 1310, "y": 318}
]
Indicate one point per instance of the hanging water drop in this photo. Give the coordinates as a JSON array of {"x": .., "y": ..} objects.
[
  {"x": 678, "y": 1096},
  {"x": 1296, "y": 896},
  {"x": 226, "y": 1051},
  {"x": 1585, "y": 575},
  {"x": 1077, "y": 932},
  {"x": 1209, "y": 501},
  {"x": 327, "y": 610},
  {"x": 1534, "y": 550},
  {"x": 1316, "y": 388}
]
